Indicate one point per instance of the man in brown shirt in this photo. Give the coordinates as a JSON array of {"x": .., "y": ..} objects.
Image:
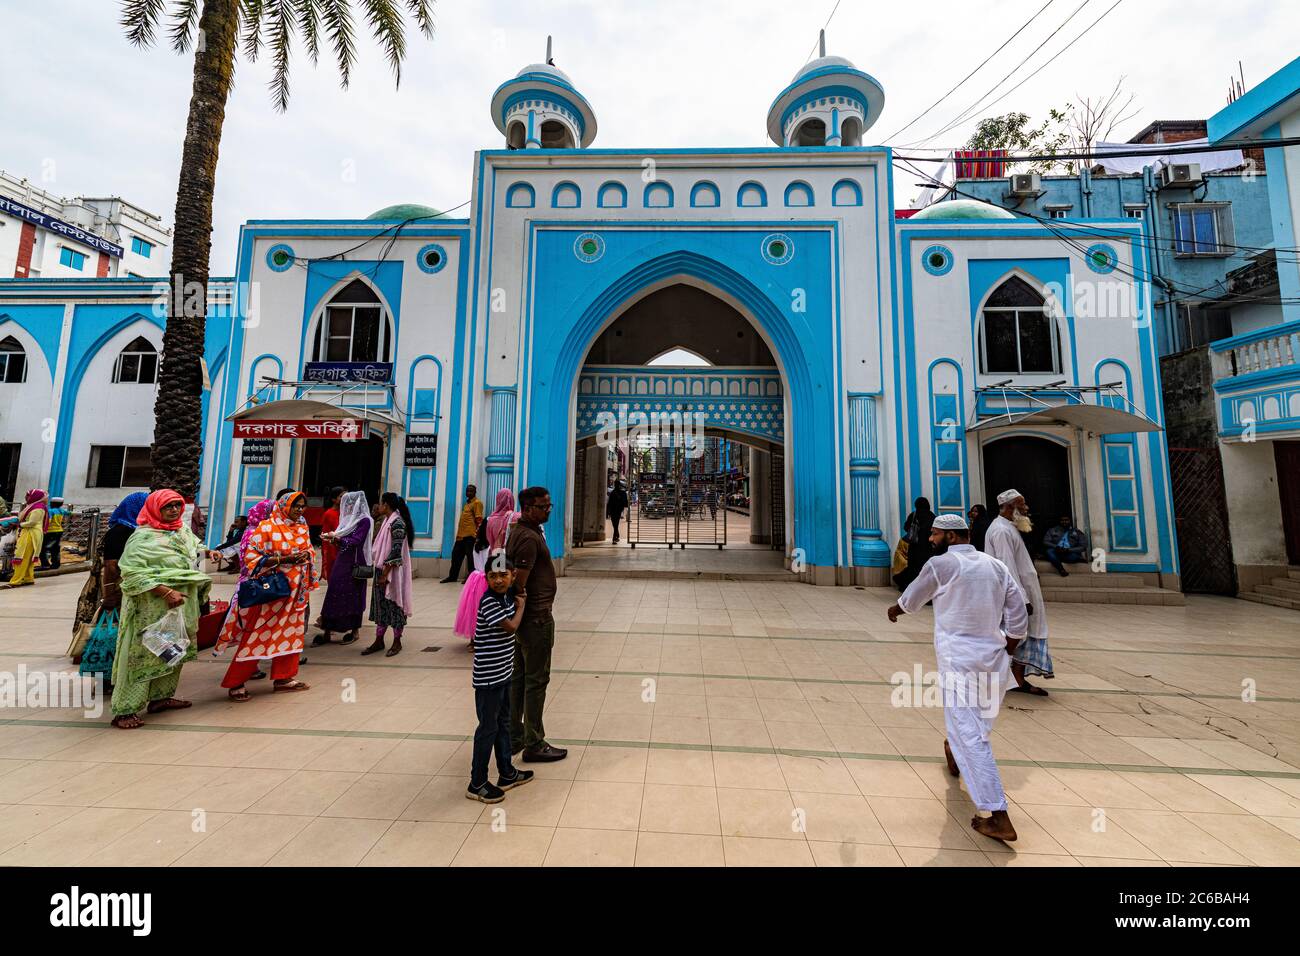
[{"x": 535, "y": 637}]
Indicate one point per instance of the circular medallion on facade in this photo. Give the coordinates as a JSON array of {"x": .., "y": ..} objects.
[
  {"x": 1101, "y": 258},
  {"x": 279, "y": 257},
  {"x": 937, "y": 260},
  {"x": 777, "y": 249},
  {"x": 431, "y": 258},
  {"x": 589, "y": 247}
]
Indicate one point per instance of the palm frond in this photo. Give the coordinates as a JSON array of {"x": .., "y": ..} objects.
[
  {"x": 387, "y": 26},
  {"x": 280, "y": 17},
  {"x": 338, "y": 21},
  {"x": 185, "y": 19},
  {"x": 309, "y": 27},
  {"x": 422, "y": 12},
  {"x": 140, "y": 20},
  {"x": 252, "y": 13}
]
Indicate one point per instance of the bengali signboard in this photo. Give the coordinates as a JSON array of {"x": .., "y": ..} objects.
[
  {"x": 421, "y": 451},
  {"x": 257, "y": 451},
  {"x": 380, "y": 373},
  {"x": 348, "y": 429},
  {"x": 38, "y": 218}
]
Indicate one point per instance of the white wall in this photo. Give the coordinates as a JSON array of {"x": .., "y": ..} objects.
[
  {"x": 1254, "y": 507},
  {"x": 24, "y": 409},
  {"x": 109, "y": 413}
]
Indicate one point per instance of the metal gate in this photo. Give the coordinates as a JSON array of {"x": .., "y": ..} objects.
[
  {"x": 777, "y": 497},
  {"x": 677, "y": 503},
  {"x": 579, "y": 494},
  {"x": 1201, "y": 517}
]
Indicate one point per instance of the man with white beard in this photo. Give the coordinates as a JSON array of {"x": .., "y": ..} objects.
[
  {"x": 1003, "y": 542},
  {"x": 979, "y": 613}
]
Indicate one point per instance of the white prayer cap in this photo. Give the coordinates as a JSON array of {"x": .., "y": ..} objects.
[
  {"x": 951, "y": 523},
  {"x": 1009, "y": 495}
]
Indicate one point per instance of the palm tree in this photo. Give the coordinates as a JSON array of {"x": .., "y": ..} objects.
[{"x": 222, "y": 26}]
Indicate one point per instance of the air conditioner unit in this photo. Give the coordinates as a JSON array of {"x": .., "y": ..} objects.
[
  {"x": 1025, "y": 184},
  {"x": 1180, "y": 174}
]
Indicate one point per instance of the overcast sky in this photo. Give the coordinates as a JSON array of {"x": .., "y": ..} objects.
[{"x": 84, "y": 113}]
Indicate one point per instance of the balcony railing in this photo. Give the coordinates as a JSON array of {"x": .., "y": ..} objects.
[
  {"x": 1274, "y": 347},
  {"x": 1257, "y": 383}
]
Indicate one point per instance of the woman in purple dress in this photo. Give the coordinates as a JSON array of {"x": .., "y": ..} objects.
[{"x": 345, "y": 600}]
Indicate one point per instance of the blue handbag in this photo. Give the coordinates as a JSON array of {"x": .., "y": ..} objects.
[{"x": 264, "y": 588}]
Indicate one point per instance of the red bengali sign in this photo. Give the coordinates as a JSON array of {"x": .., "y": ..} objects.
[{"x": 348, "y": 429}]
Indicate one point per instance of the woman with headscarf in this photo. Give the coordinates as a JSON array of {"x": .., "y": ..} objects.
[
  {"x": 158, "y": 574},
  {"x": 102, "y": 592},
  {"x": 32, "y": 522},
  {"x": 916, "y": 529},
  {"x": 491, "y": 537},
  {"x": 980, "y": 519},
  {"x": 390, "y": 605},
  {"x": 345, "y": 601},
  {"x": 275, "y": 630}
]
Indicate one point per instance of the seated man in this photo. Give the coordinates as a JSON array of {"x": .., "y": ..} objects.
[{"x": 1065, "y": 542}]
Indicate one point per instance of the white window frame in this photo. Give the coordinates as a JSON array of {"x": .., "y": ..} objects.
[
  {"x": 1135, "y": 211},
  {"x": 117, "y": 366},
  {"x": 382, "y": 346},
  {"x": 1046, "y": 315},
  {"x": 4, "y": 363},
  {"x": 1058, "y": 211},
  {"x": 1223, "y": 232}
]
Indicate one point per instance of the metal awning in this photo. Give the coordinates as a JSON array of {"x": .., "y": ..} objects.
[
  {"x": 300, "y": 409},
  {"x": 1075, "y": 412},
  {"x": 1098, "y": 419}
]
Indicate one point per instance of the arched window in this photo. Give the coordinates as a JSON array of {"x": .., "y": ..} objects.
[
  {"x": 751, "y": 194},
  {"x": 811, "y": 132},
  {"x": 353, "y": 328},
  {"x": 658, "y": 196},
  {"x": 1018, "y": 334},
  {"x": 520, "y": 196},
  {"x": 137, "y": 364},
  {"x": 612, "y": 195},
  {"x": 555, "y": 135},
  {"x": 515, "y": 135},
  {"x": 705, "y": 194},
  {"x": 13, "y": 360},
  {"x": 798, "y": 194},
  {"x": 566, "y": 196},
  {"x": 851, "y": 132}
]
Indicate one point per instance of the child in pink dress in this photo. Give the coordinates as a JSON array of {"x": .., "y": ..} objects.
[{"x": 492, "y": 535}]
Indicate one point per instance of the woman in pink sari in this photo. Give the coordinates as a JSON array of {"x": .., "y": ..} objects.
[
  {"x": 492, "y": 537},
  {"x": 391, "y": 603}
]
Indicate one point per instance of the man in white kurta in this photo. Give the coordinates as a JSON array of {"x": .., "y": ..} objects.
[
  {"x": 979, "y": 613},
  {"x": 1003, "y": 541}
]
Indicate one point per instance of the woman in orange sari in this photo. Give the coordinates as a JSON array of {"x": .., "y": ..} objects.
[{"x": 275, "y": 630}]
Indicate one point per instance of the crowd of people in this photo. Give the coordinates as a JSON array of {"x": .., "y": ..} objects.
[{"x": 31, "y": 537}]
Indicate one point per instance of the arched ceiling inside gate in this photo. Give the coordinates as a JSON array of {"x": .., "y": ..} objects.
[{"x": 680, "y": 316}]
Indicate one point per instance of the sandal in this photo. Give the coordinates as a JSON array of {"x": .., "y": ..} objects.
[
  {"x": 127, "y": 722},
  {"x": 239, "y": 694},
  {"x": 291, "y": 685},
  {"x": 349, "y": 638},
  {"x": 394, "y": 650},
  {"x": 320, "y": 640},
  {"x": 171, "y": 703},
  {"x": 374, "y": 648}
]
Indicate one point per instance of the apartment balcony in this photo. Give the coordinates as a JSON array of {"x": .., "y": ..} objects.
[{"x": 1257, "y": 383}]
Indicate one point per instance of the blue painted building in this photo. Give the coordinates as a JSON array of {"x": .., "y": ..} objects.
[{"x": 864, "y": 362}]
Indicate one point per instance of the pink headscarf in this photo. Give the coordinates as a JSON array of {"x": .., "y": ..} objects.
[
  {"x": 501, "y": 519},
  {"x": 37, "y": 500},
  {"x": 398, "y": 589},
  {"x": 150, "y": 515}
]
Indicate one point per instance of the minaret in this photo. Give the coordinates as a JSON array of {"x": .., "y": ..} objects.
[
  {"x": 830, "y": 102},
  {"x": 540, "y": 108}
]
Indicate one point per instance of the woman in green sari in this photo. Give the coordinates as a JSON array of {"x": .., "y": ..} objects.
[{"x": 158, "y": 573}]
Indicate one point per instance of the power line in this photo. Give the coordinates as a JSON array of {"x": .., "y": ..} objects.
[
  {"x": 971, "y": 73},
  {"x": 970, "y": 109},
  {"x": 824, "y": 26},
  {"x": 1098, "y": 155},
  {"x": 1049, "y": 62}
]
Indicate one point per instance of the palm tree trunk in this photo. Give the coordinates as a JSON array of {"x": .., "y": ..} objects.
[{"x": 178, "y": 410}]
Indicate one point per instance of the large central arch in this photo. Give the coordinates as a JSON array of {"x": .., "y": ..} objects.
[{"x": 810, "y": 413}]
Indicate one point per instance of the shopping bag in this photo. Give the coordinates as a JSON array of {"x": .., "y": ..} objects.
[
  {"x": 167, "y": 638},
  {"x": 101, "y": 645},
  {"x": 900, "y": 558}
]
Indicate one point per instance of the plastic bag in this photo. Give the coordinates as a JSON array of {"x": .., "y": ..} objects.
[{"x": 167, "y": 638}]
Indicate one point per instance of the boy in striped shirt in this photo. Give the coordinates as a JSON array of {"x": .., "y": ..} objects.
[{"x": 499, "y": 612}]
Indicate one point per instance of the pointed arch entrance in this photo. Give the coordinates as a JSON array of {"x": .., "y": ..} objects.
[{"x": 813, "y": 530}]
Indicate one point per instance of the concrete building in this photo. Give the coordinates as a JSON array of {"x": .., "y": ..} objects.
[
  {"x": 863, "y": 362},
  {"x": 45, "y": 236}
]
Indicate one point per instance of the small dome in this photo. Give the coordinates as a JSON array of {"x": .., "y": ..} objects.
[
  {"x": 547, "y": 69},
  {"x": 822, "y": 61},
  {"x": 962, "y": 209},
  {"x": 404, "y": 211}
]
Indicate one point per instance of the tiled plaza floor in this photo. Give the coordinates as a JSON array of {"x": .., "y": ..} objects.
[{"x": 769, "y": 738}]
